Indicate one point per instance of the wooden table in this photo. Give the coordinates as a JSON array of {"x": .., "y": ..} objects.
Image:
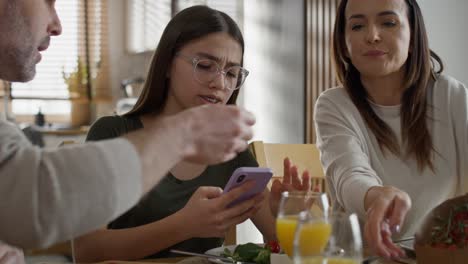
[
  {"x": 180, "y": 260},
  {"x": 383, "y": 261},
  {"x": 198, "y": 260}
]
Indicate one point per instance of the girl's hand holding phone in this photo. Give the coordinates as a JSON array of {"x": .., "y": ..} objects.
[
  {"x": 207, "y": 212},
  {"x": 290, "y": 182}
]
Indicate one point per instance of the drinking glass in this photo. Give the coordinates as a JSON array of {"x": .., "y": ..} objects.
[
  {"x": 291, "y": 205},
  {"x": 333, "y": 239}
]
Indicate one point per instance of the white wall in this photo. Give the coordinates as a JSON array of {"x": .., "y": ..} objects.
[
  {"x": 123, "y": 64},
  {"x": 447, "y": 26},
  {"x": 274, "y": 55}
]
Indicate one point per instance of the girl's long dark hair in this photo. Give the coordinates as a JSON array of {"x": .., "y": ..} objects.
[{"x": 189, "y": 24}]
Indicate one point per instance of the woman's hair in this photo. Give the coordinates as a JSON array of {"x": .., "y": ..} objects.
[
  {"x": 419, "y": 70},
  {"x": 189, "y": 24}
]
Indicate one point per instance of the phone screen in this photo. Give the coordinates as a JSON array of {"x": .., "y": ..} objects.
[{"x": 261, "y": 177}]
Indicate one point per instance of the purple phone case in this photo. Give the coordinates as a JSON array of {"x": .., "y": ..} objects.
[{"x": 261, "y": 177}]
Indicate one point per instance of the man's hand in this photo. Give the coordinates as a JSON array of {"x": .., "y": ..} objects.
[
  {"x": 214, "y": 134},
  {"x": 208, "y": 134}
]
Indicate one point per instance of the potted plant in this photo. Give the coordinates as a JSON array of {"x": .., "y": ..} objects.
[{"x": 77, "y": 87}]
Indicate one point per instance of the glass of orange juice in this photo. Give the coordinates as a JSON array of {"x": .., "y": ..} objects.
[
  {"x": 332, "y": 239},
  {"x": 291, "y": 205}
]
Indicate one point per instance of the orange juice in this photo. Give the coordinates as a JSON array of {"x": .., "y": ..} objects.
[
  {"x": 313, "y": 237},
  {"x": 321, "y": 260},
  {"x": 285, "y": 229}
]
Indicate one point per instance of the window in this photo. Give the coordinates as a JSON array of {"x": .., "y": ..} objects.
[
  {"x": 146, "y": 19},
  {"x": 79, "y": 47},
  {"x": 234, "y": 8}
]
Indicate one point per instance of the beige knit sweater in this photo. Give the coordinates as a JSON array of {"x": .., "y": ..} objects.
[{"x": 354, "y": 162}]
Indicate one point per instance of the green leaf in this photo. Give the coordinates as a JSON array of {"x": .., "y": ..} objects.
[
  {"x": 248, "y": 252},
  {"x": 228, "y": 254},
  {"x": 263, "y": 257}
]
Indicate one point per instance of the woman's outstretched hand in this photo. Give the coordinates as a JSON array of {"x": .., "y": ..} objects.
[{"x": 386, "y": 208}]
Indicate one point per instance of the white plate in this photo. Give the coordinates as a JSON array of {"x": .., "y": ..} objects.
[{"x": 217, "y": 252}]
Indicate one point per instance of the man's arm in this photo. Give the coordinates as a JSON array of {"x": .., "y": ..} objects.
[
  {"x": 206, "y": 134},
  {"x": 51, "y": 196}
]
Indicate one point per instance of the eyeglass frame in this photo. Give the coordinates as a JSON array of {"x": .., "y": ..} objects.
[{"x": 194, "y": 60}]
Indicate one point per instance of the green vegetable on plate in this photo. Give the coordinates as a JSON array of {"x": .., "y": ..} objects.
[{"x": 249, "y": 252}]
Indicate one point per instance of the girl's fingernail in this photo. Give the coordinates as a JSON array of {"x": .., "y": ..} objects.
[{"x": 396, "y": 229}]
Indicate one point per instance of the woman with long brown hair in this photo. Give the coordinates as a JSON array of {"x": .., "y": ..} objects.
[
  {"x": 393, "y": 138},
  {"x": 198, "y": 61}
]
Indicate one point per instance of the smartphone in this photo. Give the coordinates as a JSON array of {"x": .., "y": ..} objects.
[{"x": 261, "y": 177}]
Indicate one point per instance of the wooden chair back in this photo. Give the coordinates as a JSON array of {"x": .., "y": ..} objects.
[{"x": 304, "y": 156}]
